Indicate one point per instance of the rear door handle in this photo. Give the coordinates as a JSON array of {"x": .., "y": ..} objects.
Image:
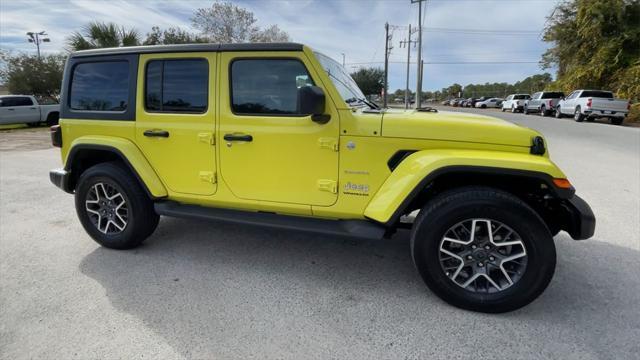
[
  {"x": 156, "y": 133},
  {"x": 238, "y": 137}
]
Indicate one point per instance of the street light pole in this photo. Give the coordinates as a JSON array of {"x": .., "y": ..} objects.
[{"x": 38, "y": 38}]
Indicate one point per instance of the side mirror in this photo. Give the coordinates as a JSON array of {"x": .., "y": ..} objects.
[{"x": 311, "y": 101}]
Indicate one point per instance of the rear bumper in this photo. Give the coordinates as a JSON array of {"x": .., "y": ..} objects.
[
  {"x": 580, "y": 221},
  {"x": 605, "y": 113},
  {"x": 60, "y": 178}
]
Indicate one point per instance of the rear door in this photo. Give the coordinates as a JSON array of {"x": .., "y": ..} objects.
[{"x": 175, "y": 119}]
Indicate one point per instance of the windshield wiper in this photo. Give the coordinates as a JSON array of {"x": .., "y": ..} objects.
[{"x": 362, "y": 101}]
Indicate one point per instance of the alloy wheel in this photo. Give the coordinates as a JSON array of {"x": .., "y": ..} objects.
[
  {"x": 107, "y": 208},
  {"x": 482, "y": 255}
]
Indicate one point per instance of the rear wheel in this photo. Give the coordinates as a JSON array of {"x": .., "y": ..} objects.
[
  {"x": 558, "y": 113},
  {"x": 578, "y": 116},
  {"x": 483, "y": 249},
  {"x": 113, "y": 207},
  {"x": 543, "y": 111}
]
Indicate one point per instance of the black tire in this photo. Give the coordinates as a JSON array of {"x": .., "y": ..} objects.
[
  {"x": 513, "y": 109},
  {"x": 458, "y": 205},
  {"x": 543, "y": 111},
  {"x": 142, "y": 219},
  {"x": 53, "y": 118},
  {"x": 617, "y": 121},
  {"x": 558, "y": 113},
  {"x": 577, "y": 115},
  {"x": 503, "y": 109},
  {"x": 483, "y": 106}
]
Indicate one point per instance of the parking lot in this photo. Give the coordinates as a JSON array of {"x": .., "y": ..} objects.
[{"x": 210, "y": 290}]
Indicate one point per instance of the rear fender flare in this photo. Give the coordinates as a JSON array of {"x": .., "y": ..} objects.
[{"x": 128, "y": 152}]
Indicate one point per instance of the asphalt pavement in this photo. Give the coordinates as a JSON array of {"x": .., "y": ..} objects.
[{"x": 208, "y": 290}]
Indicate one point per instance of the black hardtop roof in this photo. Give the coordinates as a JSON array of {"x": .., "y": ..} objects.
[{"x": 189, "y": 48}]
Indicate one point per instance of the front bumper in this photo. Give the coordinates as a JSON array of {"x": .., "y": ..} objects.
[
  {"x": 60, "y": 178},
  {"x": 580, "y": 222}
]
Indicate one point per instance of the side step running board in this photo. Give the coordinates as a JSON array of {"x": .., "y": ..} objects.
[{"x": 353, "y": 228}]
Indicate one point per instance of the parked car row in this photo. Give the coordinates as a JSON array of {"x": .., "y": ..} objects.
[
  {"x": 483, "y": 102},
  {"x": 581, "y": 104},
  {"x": 23, "y": 109}
]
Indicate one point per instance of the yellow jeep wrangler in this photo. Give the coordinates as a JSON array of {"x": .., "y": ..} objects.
[{"x": 280, "y": 135}]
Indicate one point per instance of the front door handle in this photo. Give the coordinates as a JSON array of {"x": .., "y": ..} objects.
[
  {"x": 238, "y": 137},
  {"x": 156, "y": 133}
]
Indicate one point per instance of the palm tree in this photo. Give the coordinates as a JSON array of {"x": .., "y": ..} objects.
[{"x": 101, "y": 35}]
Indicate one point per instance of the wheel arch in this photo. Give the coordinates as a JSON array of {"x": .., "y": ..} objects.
[
  {"x": 84, "y": 153},
  {"x": 425, "y": 174}
]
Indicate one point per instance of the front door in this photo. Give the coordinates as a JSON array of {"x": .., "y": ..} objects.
[
  {"x": 268, "y": 151},
  {"x": 175, "y": 119}
]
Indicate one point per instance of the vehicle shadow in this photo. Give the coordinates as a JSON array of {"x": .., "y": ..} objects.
[{"x": 222, "y": 290}]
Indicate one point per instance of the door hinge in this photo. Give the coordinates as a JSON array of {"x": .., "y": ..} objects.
[
  {"x": 328, "y": 185},
  {"x": 328, "y": 143},
  {"x": 207, "y": 138},
  {"x": 208, "y": 176}
]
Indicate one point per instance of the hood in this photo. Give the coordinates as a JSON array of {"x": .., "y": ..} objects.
[{"x": 454, "y": 126}]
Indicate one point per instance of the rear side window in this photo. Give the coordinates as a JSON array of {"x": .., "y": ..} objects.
[
  {"x": 267, "y": 86},
  {"x": 100, "y": 86},
  {"x": 597, "y": 94},
  {"x": 179, "y": 85},
  {"x": 521, "y": 97},
  {"x": 552, "y": 95}
]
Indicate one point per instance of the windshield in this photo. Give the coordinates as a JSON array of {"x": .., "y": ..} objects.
[{"x": 348, "y": 89}]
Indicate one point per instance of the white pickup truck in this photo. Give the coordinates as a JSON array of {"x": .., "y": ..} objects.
[
  {"x": 24, "y": 109},
  {"x": 591, "y": 104}
]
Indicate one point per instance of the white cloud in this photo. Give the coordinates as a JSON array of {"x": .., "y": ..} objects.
[{"x": 354, "y": 27}]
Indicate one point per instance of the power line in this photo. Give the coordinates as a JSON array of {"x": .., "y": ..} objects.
[{"x": 447, "y": 62}]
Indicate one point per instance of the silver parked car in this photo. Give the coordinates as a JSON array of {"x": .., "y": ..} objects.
[
  {"x": 24, "y": 109},
  {"x": 543, "y": 102}
]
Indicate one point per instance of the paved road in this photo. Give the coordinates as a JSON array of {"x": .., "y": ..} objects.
[{"x": 202, "y": 290}]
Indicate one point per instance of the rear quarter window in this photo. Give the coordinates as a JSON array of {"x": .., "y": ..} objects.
[{"x": 100, "y": 86}]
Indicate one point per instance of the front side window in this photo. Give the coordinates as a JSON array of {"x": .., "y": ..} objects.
[
  {"x": 100, "y": 86},
  {"x": 267, "y": 86},
  {"x": 179, "y": 85}
]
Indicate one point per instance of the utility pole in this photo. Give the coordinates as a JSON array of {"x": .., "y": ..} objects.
[
  {"x": 408, "y": 43},
  {"x": 37, "y": 38},
  {"x": 387, "y": 51},
  {"x": 419, "y": 63}
]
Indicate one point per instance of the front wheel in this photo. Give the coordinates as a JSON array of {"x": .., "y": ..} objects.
[
  {"x": 483, "y": 249},
  {"x": 543, "y": 111},
  {"x": 503, "y": 109},
  {"x": 113, "y": 207}
]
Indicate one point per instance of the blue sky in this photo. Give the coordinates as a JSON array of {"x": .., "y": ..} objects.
[{"x": 461, "y": 32}]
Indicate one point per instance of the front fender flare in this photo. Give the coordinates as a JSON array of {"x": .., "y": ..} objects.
[
  {"x": 420, "y": 168},
  {"x": 130, "y": 154}
]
